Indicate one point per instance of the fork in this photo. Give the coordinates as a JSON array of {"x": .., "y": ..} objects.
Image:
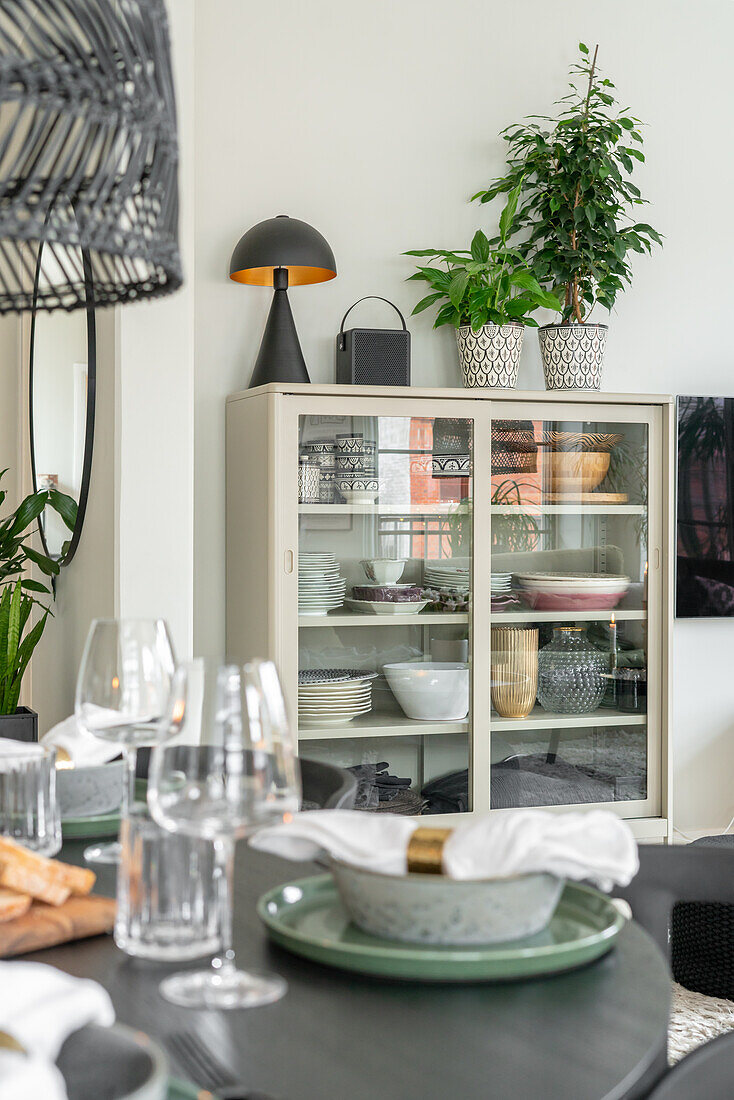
[{"x": 206, "y": 1069}]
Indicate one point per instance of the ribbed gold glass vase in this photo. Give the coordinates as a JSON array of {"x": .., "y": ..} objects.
[{"x": 514, "y": 670}]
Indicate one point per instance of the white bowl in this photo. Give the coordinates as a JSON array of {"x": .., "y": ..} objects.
[
  {"x": 422, "y": 908},
  {"x": 88, "y": 792},
  {"x": 384, "y": 570},
  {"x": 431, "y": 691}
]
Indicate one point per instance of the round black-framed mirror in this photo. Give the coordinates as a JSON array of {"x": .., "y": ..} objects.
[{"x": 62, "y": 384}]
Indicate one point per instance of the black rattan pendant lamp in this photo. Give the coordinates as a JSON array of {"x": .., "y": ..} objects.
[
  {"x": 88, "y": 152},
  {"x": 281, "y": 252}
]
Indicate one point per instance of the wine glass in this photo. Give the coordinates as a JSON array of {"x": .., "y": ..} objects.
[
  {"x": 122, "y": 693},
  {"x": 228, "y": 767}
]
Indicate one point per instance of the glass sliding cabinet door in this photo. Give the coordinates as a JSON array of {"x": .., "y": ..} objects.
[
  {"x": 385, "y": 564},
  {"x": 573, "y": 633}
]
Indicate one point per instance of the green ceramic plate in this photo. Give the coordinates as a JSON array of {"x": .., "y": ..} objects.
[
  {"x": 307, "y": 917},
  {"x": 99, "y": 826},
  {"x": 182, "y": 1090}
]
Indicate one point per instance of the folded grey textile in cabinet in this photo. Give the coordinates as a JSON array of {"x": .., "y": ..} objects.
[{"x": 521, "y": 781}]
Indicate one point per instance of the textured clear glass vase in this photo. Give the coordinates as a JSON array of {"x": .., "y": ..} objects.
[{"x": 570, "y": 671}]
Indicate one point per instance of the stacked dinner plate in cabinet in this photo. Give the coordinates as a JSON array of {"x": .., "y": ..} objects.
[
  {"x": 320, "y": 587},
  {"x": 452, "y": 574},
  {"x": 333, "y": 696}
]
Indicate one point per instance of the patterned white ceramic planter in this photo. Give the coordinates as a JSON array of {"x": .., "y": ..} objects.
[
  {"x": 573, "y": 355},
  {"x": 491, "y": 356}
]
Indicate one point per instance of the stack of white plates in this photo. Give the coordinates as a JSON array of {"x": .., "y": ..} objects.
[
  {"x": 449, "y": 573},
  {"x": 320, "y": 587},
  {"x": 333, "y": 696},
  {"x": 501, "y": 584}
]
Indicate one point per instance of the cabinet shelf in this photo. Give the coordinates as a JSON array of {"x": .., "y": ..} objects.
[
  {"x": 449, "y": 618},
  {"x": 456, "y": 509},
  {"x": 568, "y": 509},
  {"x": 528, "y": 616},
  {"x": 381, "y": 724},
  {"x": 438, "y": 509},
  {"x": 423, "y": 618},
  {"x": 540, "y": 719}
]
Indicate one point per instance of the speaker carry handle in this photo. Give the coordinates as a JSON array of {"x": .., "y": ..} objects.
[{"x": 377, "y": 298}]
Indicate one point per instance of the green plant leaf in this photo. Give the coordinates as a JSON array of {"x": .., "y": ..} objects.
[
  {"x": 27, "y": 511},
  {"x": 47, "y": 565},
  {"x": 480, "y": 246},
  {"x": 457, "y": 288},
  {"x": 427, "y": 301},
  {"x": 35, "y": 586},
  {"x": 508, "y": 214}
]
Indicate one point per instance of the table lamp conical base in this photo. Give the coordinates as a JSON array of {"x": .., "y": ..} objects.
[{"x": 280, "y": 358}]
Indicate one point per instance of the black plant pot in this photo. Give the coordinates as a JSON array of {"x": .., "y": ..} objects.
[{"x": 21, "y": 726}]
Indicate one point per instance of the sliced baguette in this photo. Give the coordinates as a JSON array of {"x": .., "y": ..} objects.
[
  {"x": 13, "y": 905},
  {"x": 45, "y": 879}
]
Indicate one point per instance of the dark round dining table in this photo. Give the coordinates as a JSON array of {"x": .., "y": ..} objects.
[{"x": 596, "y": 1033}]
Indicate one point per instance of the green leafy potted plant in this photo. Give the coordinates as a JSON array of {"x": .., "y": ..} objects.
[
  {"x": 576, "y": 215},
  {"x": 19, "y": 593},
  {"x": 487, "y": 293}
]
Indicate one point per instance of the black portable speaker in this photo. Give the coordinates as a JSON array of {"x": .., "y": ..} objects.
[{"x": 373, "y": 356}]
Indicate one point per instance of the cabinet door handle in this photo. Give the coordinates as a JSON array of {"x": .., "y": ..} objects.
[
  {"x": 656, "y": 558},
  {"x": 288, "y": 561}
]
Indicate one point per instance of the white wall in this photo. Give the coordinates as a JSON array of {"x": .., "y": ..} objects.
[
  {"x": 375, "y": 122},
  {"x": 155, "y": 410},
  {"x": 86, "y": 588}
]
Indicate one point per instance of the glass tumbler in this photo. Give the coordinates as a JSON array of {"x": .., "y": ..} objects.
[
  {"x": 29, "y": 812},
  {"x": 168, "y": 890}
]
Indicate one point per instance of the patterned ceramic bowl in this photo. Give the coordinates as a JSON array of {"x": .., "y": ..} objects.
[
  {"x": 349, "y": 444},
  {"x": 356, "y": 483},
  {"x": 434, "y": 909},
  {"x": 384, "y": 570},
  {"x": 87, "y": 792},
  {"x": 350, "y": 462},
  {"x": 387, "y": 593}
]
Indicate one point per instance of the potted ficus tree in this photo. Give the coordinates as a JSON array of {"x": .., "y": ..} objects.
[
  {"x": 19, "y": 594},
  {"x": 575, "y": 222},
  {"x": 487, "y": 292}
]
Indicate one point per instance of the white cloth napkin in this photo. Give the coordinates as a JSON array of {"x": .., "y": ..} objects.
[
  {"x": 10, "y": 748},
  {"x": 84, "y": 748},
  {"x": 40, "y": 1007},
  {"x": 596, "y": 845}
]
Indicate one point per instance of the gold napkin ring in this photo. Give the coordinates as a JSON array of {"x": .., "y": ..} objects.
[{"x": 425, "y": 850}]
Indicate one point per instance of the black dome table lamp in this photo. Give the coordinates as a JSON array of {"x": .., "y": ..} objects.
[{"x": 281, "y": 252}]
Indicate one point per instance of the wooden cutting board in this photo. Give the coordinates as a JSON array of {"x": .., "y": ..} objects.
[{"x": 48, "y": 925}]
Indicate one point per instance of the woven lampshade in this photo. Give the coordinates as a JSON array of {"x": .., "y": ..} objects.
[{"x": 88, "y": 152}]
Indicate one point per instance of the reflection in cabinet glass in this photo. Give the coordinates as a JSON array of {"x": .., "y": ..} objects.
[{"x": 468, "y": 599}]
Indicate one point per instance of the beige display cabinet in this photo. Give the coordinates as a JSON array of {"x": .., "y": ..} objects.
[{"x": 500, "y": 510}]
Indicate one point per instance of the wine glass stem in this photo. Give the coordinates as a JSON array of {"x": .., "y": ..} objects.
[
  {"x": 224, "y": 849},
  {"x": 130, "y": 758}
]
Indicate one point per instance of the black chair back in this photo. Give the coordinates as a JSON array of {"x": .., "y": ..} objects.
[
  {"x": 673, "y": 873},
  {"x": 707, "y": 1073}
]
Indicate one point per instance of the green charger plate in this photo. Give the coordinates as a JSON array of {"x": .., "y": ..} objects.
[
  {"x": 98, "y": 826},
  {"x": 307, "y": 917},
  {"x": 182, "y": 1090}
]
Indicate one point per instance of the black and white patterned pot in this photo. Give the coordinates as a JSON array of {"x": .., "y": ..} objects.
[
  {"x": 491, "y": 356},
  {"x": 573, "y": 355}
]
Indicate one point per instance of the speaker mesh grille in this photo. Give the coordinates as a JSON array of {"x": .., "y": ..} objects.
[{"x": 380, "y": 359}]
